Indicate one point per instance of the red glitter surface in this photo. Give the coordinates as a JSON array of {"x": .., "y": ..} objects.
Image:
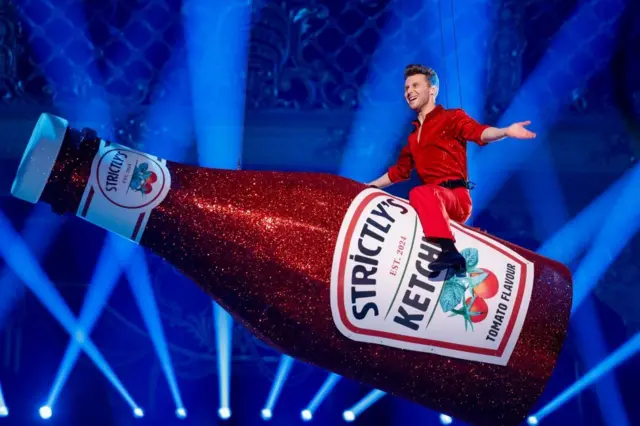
[{"x": 262, "y": 243}]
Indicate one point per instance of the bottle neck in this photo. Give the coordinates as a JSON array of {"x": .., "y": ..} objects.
[{"x": 71, "y": 171}]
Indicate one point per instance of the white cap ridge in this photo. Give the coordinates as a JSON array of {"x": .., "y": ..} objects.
[{"x": 39, "y": 157}]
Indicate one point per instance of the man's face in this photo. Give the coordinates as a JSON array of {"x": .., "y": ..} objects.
[{"x": 417, "y": 91}]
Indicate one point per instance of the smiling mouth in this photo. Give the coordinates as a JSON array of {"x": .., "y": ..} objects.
[{"x": 412, "y": 98}]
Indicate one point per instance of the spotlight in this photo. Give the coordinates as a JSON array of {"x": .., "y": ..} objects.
[
  {"x": 445, "y": 420},
  {"x": 348, "y": 416},
  {"x": 306, "y": 415},
  {"x": 181, "y": 413},
  {"x": 266, "y": 413},
  {"x": 138, "y": 412},
  {"x": 4, "y": 411},
  {"x": 224, "y": 413},
  {"x": 45, "y": 412},
  {"x": 532, "y": 420}
]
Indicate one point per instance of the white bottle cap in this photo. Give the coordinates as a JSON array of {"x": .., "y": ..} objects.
[{"x": 39, "y": 158}]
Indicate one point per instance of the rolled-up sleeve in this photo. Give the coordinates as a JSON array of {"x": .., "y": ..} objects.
[
  {"x": 468, "y": 129},
  {"x": 403, "y": 167}
]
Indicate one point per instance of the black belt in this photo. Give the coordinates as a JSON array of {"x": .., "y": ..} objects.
[{"x": 458, "y": 183}]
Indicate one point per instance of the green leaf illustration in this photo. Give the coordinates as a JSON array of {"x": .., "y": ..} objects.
[
  {"x": 464, "y": 282},
  {"x": 477, "y": 279},
  {"x": 452, "y": 294},
  {"x": 466, "y": 314},
  {"x": 471, "y": 257}
]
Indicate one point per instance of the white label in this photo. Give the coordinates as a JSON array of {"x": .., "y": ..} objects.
[
  {"x": 124, "y": 187},
  {"x": 383, "y": 292}
]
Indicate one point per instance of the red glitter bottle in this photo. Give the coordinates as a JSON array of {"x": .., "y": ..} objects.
[{"x": 326, "y": 270}]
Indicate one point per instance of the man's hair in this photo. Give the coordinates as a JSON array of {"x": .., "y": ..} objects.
[{"x": 414, "y": 69}]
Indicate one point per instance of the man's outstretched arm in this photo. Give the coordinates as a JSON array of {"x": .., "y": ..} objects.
[
  {"x": 516, "y": 131},
  {"x": 468, "y": 129}
]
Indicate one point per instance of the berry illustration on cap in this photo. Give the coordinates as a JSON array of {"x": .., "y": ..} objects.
[{"x": 143, "y": 179}]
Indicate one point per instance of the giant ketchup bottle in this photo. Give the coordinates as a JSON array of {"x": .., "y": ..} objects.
[{"x": 326, "y": 270}]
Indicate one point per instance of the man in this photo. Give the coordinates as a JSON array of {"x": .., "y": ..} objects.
[{"x": 437, "y": 149}]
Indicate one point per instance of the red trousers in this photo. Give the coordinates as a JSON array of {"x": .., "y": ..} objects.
[{"x": 436, "y": 205}]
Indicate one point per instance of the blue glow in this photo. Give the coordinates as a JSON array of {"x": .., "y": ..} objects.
[
  {"x": 17, "y": 256},
  {"x": 171, "y": 112},
  {"x": 366, "y": 402},
  {"x": 224, "y": 328},
  {"x": 566, "y": 244},
  {"x": 78, "y": 66},
  {"x": 544, "y": 195},
  {"x": 540, "y": 98},
  {"x": 373, "y": 140},
  {"x": 591, "y": 342},
  {"x": 445, "y": 420},
  {"x": 306, "y": 415},
  {"x": 45, "y": 412},
  {"x": 104, "y": 279},
  {"x": 39, "y": 231},
  {"x": 466, "y": 27},
  {"x": 322, "y": 393},
  {"x": 217, "y": 58},
  {"x": 465, "y": 30},
  {"x": 349, "y": 416},
  {"x": 286, "y": 362},
  {"x": 224, "y": 413},
  {"x": 266, "y": 414},
  {"x": 542, "y": 191},
  {"x": 140, "y": 282},
  {"x": 622, "y": 354},
  {"x": 621, "y": 225},
  {"x": 4, "y": 411}
]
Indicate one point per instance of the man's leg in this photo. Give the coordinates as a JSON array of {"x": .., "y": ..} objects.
[{"x": 435, "y": 206}]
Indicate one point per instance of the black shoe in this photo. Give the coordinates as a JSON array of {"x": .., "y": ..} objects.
[{"x": 449, "y": 259}]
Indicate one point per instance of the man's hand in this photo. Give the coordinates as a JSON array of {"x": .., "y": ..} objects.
[
  {"x": 518, "y": 131},
  {"x": 382, "y": 182}
]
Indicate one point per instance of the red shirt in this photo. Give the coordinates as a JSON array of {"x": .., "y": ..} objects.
[{"x": 441, "y": 153}]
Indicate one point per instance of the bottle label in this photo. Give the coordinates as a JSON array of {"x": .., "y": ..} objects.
[
  {"x": 124, "y": 187},
  {"x": 383, "y": 290}
]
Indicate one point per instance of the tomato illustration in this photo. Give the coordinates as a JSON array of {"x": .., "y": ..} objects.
[
  {"x": 478, "y": 310},
  {"x": 488, "y": 288},
  {"x": 153, "y": 177}
]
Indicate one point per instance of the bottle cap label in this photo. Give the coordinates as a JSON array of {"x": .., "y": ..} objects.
[
  {"x": 124, "y": 187},
  {"x": 384, "y": 292}
]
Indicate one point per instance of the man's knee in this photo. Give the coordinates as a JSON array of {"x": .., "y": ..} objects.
[
  {"x": 464, "y": 215},
  {"x": 423, "y": 193},
  {"x": 462, "y": 212}
]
